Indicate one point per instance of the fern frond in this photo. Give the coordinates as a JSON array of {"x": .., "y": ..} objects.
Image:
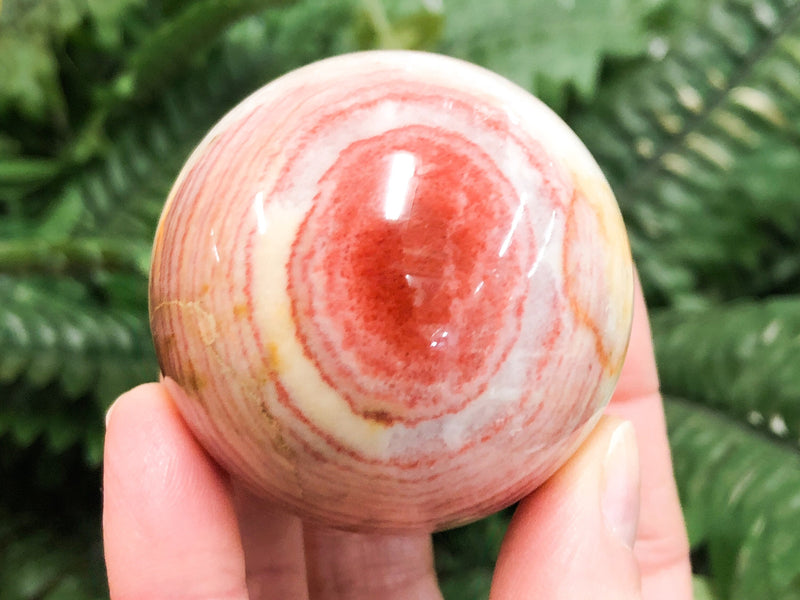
[
  {"x": 741, "y": 496},
  {"x": 41, "y": 559},
  {"x": 57, "y": 345},
  {"x": 122, "y": 195},
  {"x": 466, "y": 556},
  {"x": 740, "y": 360},
  {"x": 76, "y": 255},
  {"x": 49, "y": 524},
  {"x": 181, "y": 39},
  {"x": 90, "y": 338},
  {"x": 702, "y": 150},
  {"x": 31, "y": 171}
]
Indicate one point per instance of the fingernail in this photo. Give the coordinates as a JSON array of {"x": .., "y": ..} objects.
[
  {"x": 108, "y": 413},
  {"x": 620, "y": 485}
]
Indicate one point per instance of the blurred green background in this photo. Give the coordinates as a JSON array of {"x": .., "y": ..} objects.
[{"x": 692, "y": 108}]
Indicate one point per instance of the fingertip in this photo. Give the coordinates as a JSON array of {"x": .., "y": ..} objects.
[
  {"x": 168, "y": 520},
  {"x": 143, "y": 397},
  {"x": 569, "y": 539}
]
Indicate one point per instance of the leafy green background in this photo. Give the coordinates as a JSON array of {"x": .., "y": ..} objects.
[{"x": 692, "y": 108}]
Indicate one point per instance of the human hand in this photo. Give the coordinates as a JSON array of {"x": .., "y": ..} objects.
[
  {"x": 559, "y": 544},
  {"x": 176, "y": 528}
]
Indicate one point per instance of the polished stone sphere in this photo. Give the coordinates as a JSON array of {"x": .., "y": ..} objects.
[{"x": 391, "y": 291}]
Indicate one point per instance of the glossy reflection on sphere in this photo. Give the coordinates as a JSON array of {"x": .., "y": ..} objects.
[{"x": 391, "y": 291}]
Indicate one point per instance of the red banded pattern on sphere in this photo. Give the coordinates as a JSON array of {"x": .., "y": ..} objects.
[
  {"x": 405, "y": 290},
  {"x": 391, "y": 291}
]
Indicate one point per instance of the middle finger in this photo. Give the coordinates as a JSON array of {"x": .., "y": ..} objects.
[{"x": 273, "y": 548}]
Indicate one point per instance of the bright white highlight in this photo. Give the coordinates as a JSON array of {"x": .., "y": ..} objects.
[
  {"x": 439, "y": 338},
  {"x": 546, "y": 244},
  {"x": 514, "y": 224},
  {"x": 399, "y": 185},
  {"x": 261, "y": 218},
  {"x": 213, "y": 237}
]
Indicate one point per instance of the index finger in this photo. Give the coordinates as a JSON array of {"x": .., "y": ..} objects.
[
  {"x": 169, "y": 525},
  {"x": 661, "y": 547}
]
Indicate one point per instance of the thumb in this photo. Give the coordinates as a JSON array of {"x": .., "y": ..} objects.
[{"x": 573, "y": 537}]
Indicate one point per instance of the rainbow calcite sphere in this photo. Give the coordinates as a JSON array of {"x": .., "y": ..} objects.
[{"x": 391, "y": 291}]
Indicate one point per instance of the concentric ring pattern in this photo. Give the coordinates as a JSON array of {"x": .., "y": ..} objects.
[{"x": 391, "y": 291}]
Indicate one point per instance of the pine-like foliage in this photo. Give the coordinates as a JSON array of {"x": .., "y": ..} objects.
[{"x": 691, "y": 108}]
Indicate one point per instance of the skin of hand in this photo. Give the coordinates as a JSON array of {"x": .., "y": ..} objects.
[{"x": 608, "y": 525}]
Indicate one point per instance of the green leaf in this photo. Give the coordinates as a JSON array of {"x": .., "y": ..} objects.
[
  {"x": 9, "y": 147},
  {"x": 40, "y": 561},
  {"x": 32, "y": 36},
  {"x": 61, "y": 217},
  {"x": 536, "y": 43},
  {"x": 64, "y": 359},
  {"x": 741, "y": 496},
  {"x": 74, "y": 255},
  {"x": 740, "y": 360},
  {"x": 11, "y": 365},
  {"x": 106, "y": 16},
  {"x": 472, "y": 584},
  {"x": 701, "y": 147},
  {"x": 180, "y": 40},
  {"x": 58, "y": 17},
  {"x": 26, "y": 170},
  {"x": 29, "y": 73},
  {"x": 701, "y": 588},
  {"x": 465, "y": 556},
  {"x": 401, "y": 24},
  {"x": 311, "y": 30},
  {"x": 123, "y": 193}
]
